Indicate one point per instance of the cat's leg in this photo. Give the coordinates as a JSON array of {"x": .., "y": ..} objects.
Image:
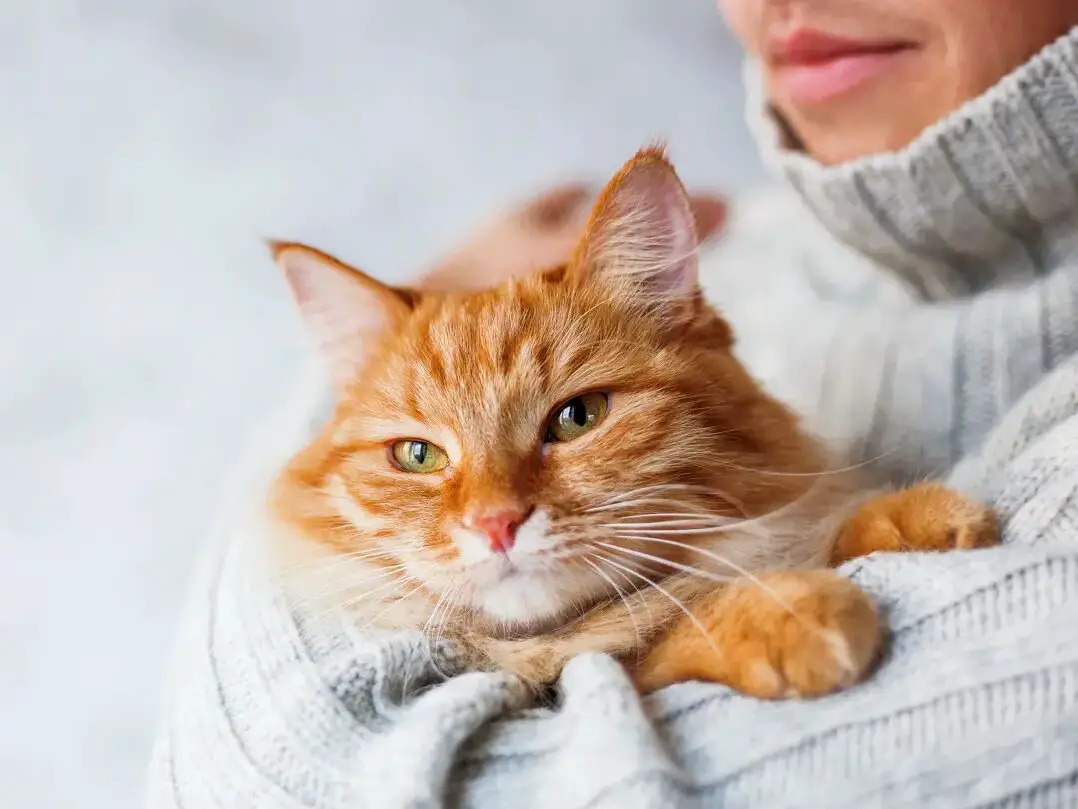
[
  {"x": 924, "y": 517},
  {"x": 805, "y": 633},
  {"x": 791, "y": 634}
]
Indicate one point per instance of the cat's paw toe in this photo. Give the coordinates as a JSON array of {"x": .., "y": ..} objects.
[
  {"x": 925, "y": 517},
  {"x": 934, "y": 517},
  {"x": 972, "y": 525},
  {"x": 803, "y": 635}
]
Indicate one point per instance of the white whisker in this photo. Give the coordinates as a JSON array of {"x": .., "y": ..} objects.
[
  {"x": 624, "y": 600},
  {"x": 633, "y": 587},
  {"x": 704, "y": 574},
  {"x": 723, "y": 561},
  {"x": 338, "y": 559},
  {"x": 427, "y": 636},
  {"x": 672, "y": 516},
  {"x": 358, "y": 570},
  {"x": 343, "y": 587},
  {"x": 657, "y": 487},
  {"x": 838, "y": 471},
  {"x": 653, "y": 528},
  {"x": 370, "y": 622},
  {"x": 384, "y": 587},
  {"x": 688, "y": 613}
]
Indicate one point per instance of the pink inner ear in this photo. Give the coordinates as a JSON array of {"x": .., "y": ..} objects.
[
  {"x": 677, "y": 217},
  {"x": 651, "y": 235},
  {"x": 345, "y": 311}
]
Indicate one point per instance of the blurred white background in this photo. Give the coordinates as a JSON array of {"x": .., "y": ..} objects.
[{"x": 145, "y": 147}]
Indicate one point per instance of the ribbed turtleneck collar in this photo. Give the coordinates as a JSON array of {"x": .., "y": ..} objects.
[{"x": 986, "y": 197}]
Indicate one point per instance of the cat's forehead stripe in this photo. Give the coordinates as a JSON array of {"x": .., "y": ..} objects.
[{"x": 490, "y": 368}]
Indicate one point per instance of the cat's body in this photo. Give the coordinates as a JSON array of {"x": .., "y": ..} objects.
[{"x": 574, "y": 461}]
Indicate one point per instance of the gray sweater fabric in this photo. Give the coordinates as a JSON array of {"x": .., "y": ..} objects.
[{"x": 920, "y": 309}]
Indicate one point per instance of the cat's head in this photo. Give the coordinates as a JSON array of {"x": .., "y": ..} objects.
[{"x": 524, "y": 452}]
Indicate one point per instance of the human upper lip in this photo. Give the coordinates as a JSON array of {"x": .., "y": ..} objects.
[{"x": 807, "y": 46}]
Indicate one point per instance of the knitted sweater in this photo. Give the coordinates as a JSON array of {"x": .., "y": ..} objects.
[{"x": 913, "y": 305}]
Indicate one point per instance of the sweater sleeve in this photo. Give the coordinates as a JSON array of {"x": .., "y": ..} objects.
[{"x": 271, "y": 708}]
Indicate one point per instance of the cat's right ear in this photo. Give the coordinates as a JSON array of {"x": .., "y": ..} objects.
[
  {"x": 345, "y": 310},
  {"x": 640, "y": 242}
]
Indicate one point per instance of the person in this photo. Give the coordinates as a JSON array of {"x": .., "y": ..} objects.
[{"x": 912, "y": 289}]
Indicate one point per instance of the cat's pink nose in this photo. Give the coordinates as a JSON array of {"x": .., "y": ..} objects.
[{"x": 500, "y": 526}]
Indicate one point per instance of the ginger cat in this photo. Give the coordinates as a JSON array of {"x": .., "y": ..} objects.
[{"x": 574, "y": 461}]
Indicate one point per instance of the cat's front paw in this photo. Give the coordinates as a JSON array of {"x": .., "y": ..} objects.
[
  {"x": 925, "y": 517},
  {"x": 792, "y": 634},
  {"x": 798, "y": 634}
]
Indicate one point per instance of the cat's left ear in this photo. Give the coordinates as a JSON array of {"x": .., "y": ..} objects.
[
  {"x": 641, "y": 238},
  {"x": 346, "y": 311}
]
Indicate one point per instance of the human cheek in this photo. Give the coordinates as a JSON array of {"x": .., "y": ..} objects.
[{"x": 743, "y": 17}]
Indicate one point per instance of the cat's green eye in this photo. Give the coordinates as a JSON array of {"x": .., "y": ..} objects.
[
  {"x": 421, "y": 457},
  {"x": 577, "y": 416}
]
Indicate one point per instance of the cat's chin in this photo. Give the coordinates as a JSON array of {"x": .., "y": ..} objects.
[
  {"x": 526, "y": 602},
  {"x": 484, "y": 624}
]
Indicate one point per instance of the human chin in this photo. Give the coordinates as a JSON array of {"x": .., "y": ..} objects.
[
  {"x": 878, "y": 121},
  {"x": 534, "y": 586}
]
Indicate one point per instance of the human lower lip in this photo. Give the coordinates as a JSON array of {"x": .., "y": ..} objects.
[{"x": 812, "y": 68}]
